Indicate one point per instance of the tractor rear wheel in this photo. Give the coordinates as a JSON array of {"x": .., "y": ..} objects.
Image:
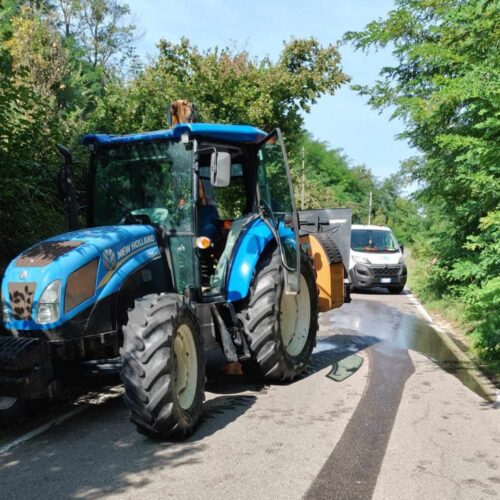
[
  {"x": 280, "y": 329},
  {"x": 163, "y": 366}
]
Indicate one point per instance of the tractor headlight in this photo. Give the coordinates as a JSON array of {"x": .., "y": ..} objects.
[
  {"x": 48, "y": 305},
  {"x": 5, "y": 310}
]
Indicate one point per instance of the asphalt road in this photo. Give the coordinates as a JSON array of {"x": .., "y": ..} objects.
[{"x": 374, "y": 417}]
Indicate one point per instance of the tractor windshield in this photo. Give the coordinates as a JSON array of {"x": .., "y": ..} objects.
[{"x": 147, "y": 182}]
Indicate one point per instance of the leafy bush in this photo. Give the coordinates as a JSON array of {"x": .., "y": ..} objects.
[{"x": 445, "y": 86}]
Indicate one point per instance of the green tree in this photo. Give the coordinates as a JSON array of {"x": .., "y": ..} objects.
[
  {"x": 446, "y": 88},
  {"x": 330, "y": 180},
  {"x": 37, "y": 56},
  {"x": 104, "y": 31},
  {"x": 50, "y": 90},
  {"x": 228, "y": 86}
]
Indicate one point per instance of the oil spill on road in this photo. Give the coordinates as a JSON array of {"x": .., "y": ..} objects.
[
  {"x": 352, "y": 470},
  {"x": 387, "y": 334},
  {"x": 425, "y": 340},
  {"x": 395, "y": 328}
]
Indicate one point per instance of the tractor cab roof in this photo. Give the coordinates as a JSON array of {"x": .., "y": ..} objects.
[{"x": 211, "y": 131}]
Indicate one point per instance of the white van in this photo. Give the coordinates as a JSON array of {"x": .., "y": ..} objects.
[{"x": 376, "y": 259}]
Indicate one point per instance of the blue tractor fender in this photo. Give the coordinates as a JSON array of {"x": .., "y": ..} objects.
[{"x": 251, "y": 244}]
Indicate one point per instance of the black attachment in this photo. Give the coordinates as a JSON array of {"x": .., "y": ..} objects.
[
  {"x": 236, "y": 334},
  {"x": 225, "y": 336},
  {"x": 317, "y": 223}
]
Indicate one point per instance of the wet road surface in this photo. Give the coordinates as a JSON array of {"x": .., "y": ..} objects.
[{"x": 384, "y": 411}]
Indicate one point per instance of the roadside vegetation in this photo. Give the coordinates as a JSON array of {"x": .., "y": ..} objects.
[
  {"x": 69, "y": 67},
  {"x": 446, "y": 88}
]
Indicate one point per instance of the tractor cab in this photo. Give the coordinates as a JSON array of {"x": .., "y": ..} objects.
[{"x": 198, "y": 186}]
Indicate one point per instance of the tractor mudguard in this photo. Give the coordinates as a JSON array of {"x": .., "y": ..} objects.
[{"x": 249, "y": 247}]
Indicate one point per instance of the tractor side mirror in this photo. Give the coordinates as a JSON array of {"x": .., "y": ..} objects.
[{"x": 220, "y": 169}]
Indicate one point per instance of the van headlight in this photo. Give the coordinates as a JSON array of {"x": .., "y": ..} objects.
[
  {"x": 360, "y": 260},
  {"x": 48, "y": 306},
  {"x": 401, "y": 259}
]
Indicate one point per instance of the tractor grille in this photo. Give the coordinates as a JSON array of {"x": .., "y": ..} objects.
[
  {"x": 21, "y": 300},
  {"x": 386, "y": 271}
]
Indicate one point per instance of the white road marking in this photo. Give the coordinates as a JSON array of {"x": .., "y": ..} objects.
[
  {"x": 40, "y": 430},
  {"x": 422, "y": 310},
  {"x": 90, "y": 400}
]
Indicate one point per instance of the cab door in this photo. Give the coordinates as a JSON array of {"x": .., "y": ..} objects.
[{"x": 276, "y": 200}]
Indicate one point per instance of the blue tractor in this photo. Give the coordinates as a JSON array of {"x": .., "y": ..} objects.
[{"x": 192, "y": 243}]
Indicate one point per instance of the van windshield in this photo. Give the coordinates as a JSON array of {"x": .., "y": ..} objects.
[{"x": 373, "y": 240}]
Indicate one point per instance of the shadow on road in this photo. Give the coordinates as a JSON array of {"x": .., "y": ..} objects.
[
  {"x": 98, "y": 452},
  {"x": 220, "y": 412},
  {"x": 95, "y": 454},
  {"x": 377, "y": 291}
]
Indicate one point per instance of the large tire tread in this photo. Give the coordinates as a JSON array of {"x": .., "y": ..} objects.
[
  {"x": 259, "y": 317},
  {"x": 147, "y": 371}
]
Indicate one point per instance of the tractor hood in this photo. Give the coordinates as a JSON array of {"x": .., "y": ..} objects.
[{"x": 89, "y": 264}]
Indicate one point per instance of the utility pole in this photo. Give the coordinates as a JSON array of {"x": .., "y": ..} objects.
[
  {"x": 303, "y": 178},
  {"x": 370, "y": 210}
]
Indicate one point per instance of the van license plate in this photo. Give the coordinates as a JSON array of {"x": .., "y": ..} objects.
[{"x": 385, "y": 280}]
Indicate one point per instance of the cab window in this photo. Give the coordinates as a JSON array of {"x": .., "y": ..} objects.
[{"x": 231, "y": 200}]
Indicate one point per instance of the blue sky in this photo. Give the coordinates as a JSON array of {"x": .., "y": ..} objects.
[{"x": 343, "y": 120}]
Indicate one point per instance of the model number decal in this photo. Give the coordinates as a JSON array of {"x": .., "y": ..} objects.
[{"x": 152, "y": 253}]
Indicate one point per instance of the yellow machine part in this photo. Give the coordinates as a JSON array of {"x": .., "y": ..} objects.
[{"x": 329, "y": 276}]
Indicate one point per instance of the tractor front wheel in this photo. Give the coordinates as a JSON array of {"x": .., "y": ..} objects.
[
  {"x": 163, "y": 366},
  {"x": 280, "y": 329},
  {"x": 12, "y": 408}
]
